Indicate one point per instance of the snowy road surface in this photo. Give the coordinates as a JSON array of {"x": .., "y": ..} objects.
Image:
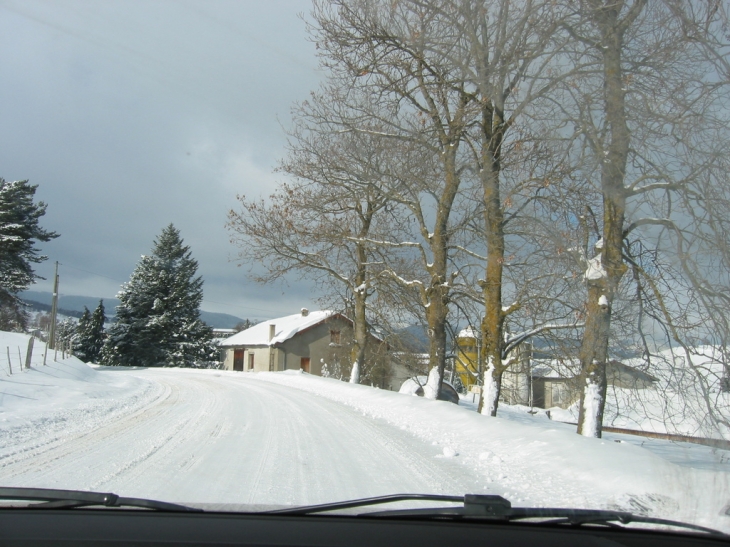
[{"x": 211, "y": 438}]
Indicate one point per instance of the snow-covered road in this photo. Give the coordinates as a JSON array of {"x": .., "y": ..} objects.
[{"x": 208, "y": 437}]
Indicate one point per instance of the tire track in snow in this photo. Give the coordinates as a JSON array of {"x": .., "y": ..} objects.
[
  {"x": 48, "y": 431},
  {"x": 345, "y": 453},
  {"x": 264, "y": 456},
  {"x": 163, "y": 441},
  {"x": 42, "y": 465}
]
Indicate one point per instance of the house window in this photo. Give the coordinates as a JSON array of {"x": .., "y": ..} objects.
[
  {"x": 335, "y": 337},
  {"x": 560, "y": 394},
  {"x": 250, "y": 361},
  {"x": 271, "y": 360}
]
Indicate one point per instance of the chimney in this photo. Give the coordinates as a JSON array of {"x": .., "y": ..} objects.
[
  {"x": 272, "y": 332},
  {"x": 305, "y": 312}
]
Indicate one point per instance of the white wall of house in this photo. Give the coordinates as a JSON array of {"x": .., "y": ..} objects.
[
  {"x": 261, "y": 359},
  {"x": 228, "y": 359}
]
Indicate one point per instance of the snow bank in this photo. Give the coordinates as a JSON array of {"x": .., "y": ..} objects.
[
  {"x": 411, "y": 387},
  {"x": 61, "y": 397},
  {"x": 537, "y": 462}
]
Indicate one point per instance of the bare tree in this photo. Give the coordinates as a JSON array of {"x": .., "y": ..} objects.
[
  {"x": 320, "y": 226},
  {"x": 504, "y": 56},
  {"x": 651, "y": 93},
  {"x": 463, "y": 155},
  {"x": 417, "y": 103}
]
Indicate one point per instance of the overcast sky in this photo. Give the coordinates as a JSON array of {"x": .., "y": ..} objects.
[{"x": 131, "y": 114}]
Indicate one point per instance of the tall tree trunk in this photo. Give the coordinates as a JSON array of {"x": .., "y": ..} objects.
[
  {"x": 492, "y": 324},
  {"x": 360, "y": 328},
  {"x": 436, "y": 318},
  {"x": 437, "y": 295},
  {"x": 603, "y": 280}
]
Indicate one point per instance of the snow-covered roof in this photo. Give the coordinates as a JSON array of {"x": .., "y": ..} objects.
[
  {"x": 285, "y": 328},
  {"x": 468, "y": 332}
]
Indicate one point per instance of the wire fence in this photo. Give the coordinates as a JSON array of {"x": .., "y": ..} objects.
[{"x": 17, "y": 359}]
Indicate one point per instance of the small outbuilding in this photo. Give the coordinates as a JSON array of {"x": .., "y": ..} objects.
[{"x": 558, "y": 385}]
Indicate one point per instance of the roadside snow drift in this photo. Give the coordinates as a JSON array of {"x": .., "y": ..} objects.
[{"x": 44, "y": 403}]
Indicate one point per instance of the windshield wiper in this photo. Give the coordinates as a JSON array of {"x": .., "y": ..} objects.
[
  {"x": 492, "y": 508},
  {"x": 66, "y": 499}
]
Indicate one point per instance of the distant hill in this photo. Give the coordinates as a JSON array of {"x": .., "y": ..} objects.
[
  {"x": 73, "y": 306},
  {"x": 39, "y": 306},
  {"x": 219, "y": 320}
]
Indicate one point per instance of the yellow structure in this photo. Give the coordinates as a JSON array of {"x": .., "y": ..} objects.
[{"x": 467, "y": 357}]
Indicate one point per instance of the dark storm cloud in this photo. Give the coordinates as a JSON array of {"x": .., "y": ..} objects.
[{"x": 132, "y": 115}]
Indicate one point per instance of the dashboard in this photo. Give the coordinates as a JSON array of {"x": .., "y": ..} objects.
[{"x": 58, "y": 527}]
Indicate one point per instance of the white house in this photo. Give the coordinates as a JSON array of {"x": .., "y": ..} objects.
[{"x": 305, "y": 340}]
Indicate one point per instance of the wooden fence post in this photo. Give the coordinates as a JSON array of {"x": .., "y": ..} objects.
[
  {"x": 10, "y": 365},
  {"x": 29, "y": 353}
]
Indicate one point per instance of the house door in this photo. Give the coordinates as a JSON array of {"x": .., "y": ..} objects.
[
  {"x": 238, "y": 359},
  {"x": 305, "y": 364}
]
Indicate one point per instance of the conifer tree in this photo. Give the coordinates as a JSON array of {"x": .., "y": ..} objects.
[
  {"x": 90, "y": 334},
  {"x": 158, "y": 319},
  {"x": 19, "y": 231},
  {"x": 66, "y": 333},
  {"x": 82, "y": 328}
]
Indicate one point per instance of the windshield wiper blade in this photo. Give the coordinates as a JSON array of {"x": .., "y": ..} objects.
[
  {"x": 363, "y": 502},
  {"x": 492, "y": 508},
  {"x": 66, "y": 499}
]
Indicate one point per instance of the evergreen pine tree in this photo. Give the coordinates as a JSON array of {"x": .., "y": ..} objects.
[
  {"x": 90, "y": 334},
  {"x": 158, "y": 319},
  {"x": 66, "y": 333},
  {"x": 19, "y": 230},
  {"x": 82, "y": 328},
  {"x": 96, "y": 333}
]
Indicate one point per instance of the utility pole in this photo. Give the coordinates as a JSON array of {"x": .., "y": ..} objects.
[{"x": 54, "y": 310}]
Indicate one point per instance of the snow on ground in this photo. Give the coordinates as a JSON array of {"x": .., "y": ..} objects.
[
  {"x": 534, "y": 461},
  {"x": 208, "y": 436},
  {"x": 681, "y": 453},
  {"x": 62, "y": 395}
]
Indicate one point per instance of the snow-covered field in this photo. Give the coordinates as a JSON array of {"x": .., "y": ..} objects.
[{"x": 204, "y": 436}]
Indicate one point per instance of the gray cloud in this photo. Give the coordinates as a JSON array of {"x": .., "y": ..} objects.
[{"x": 133, "y": 114}]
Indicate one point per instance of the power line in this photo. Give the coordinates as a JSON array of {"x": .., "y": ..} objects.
[{"x": 92, "y": 273}]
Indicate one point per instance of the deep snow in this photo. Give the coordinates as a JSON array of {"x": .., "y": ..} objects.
[{"x": 290, "y": 438}]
